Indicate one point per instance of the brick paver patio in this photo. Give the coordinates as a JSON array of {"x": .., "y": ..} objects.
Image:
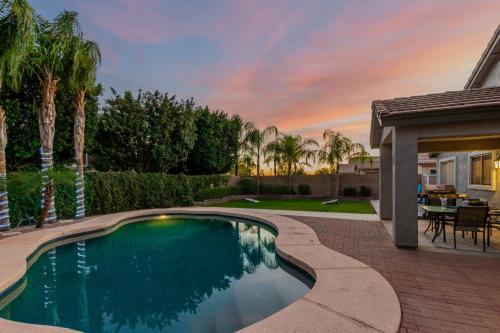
[{"x": 439, "y": 292}]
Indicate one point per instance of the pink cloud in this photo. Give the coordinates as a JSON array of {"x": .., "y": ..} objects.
[
  {"x": 409, "y": 51},
  {"x": 334, "y": 69}
]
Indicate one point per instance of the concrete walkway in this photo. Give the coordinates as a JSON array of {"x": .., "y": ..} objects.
[{"x": 345, "y": 216}]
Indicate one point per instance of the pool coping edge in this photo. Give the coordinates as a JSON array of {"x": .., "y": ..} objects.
[{"x": 347, "y": 296}]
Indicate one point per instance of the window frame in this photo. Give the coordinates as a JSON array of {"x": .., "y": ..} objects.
[
  {"x": 446, "y": 160},
  {"x": 482, "y": 187}
]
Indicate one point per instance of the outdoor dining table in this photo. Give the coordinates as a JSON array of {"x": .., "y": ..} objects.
[{"x": 438, "y": 215}]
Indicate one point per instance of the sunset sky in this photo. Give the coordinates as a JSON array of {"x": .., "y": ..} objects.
[{"x": 300, "y": 65}]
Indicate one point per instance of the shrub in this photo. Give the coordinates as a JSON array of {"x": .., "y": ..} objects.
[
  {"x": 247, "y": 185},
  {"x": 217, "y": 192},
  {"x": 365, "y": 191},
  {"x": 350, "y": 191},
  {"x": 107, "y": 192},
  {"x": 304, "y": 189},
  {"x": 25, "y": 191}
]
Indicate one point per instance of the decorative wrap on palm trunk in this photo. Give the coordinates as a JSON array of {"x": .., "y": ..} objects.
[
  {"x": 47, "y": 164},
  {"x": 80, "y": 195},
  {"x": 4, "y": 203},
  {"x": 4, "y": 199}
]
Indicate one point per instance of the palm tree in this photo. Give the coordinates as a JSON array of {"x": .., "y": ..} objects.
[
  {"x": 337, "y": 149},
  {"x": 296, "y": 151},
  {"x": 86, "y": 58},
  {"x": 50, "y": 61},
  {"x": 242, "y": 128},
  {"x": 272, "y": 151},
  {"x": 254, "y": 143},
  {"x": 16, "y": 26}
]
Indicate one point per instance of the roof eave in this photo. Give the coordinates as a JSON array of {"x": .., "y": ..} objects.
[
  {"x": 486, "y": 61},
  {"x": 441, "y": 116}
]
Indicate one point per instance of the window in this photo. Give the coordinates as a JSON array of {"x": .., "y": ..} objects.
[
  {"x": 447, "y": 172},
  {"x": 481, "y": 169}
]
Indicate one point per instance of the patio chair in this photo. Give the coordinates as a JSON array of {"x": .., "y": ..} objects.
[{"x": 473, "y": 219}]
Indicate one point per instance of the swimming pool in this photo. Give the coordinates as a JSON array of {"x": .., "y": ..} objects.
[{"x": 176, "y": 274}]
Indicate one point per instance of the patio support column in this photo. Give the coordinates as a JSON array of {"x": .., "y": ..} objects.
[
  {"x": 404, "y": 187},
  {"x": 385, "y": 182}
]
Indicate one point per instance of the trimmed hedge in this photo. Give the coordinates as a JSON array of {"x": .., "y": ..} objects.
[
  {"x": 25, "y": 195},
  {"x": 106, "y": 192}
]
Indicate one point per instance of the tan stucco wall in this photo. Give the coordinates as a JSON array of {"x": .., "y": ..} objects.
[
  {"x": 493, "y": 78},
  {"x": 462, "y": 179}
]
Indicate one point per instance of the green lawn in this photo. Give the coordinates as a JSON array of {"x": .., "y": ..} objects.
[{"x": 343, "y": 206}]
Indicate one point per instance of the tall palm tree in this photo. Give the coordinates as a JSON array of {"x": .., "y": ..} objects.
[
  {"x": 272, "y": 152},
  {"x": 337, "y": 149},
  {"x": 16, "y": 27},
  {"x": 296, "y": 151},
  {"x": 242, "y": 127},
  {"x": 254, "y": 142},
  {"x": 50, "y": 63},
  {"x": 86, "y": 58}
]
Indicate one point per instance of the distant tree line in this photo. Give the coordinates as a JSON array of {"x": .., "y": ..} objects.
[
  {"x": 155, "y": 132},
  {"x": 149, "y": 132}
]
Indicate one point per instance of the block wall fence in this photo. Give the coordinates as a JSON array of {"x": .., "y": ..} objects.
[{"x": 320, "y": 184}]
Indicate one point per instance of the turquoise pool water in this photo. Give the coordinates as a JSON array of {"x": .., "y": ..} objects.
[{"x": 163, "y": 275}]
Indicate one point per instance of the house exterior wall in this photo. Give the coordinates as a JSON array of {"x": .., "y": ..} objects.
[
  {"x": 493, "y": 78},
  {"x": 462, "y": 178}
]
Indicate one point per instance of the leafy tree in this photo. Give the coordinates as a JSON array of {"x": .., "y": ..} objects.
[
  {"x": 49, "y": 61},
  {"x": 295, "y": 152},
  {"x": 148, "y": 133},
  {"x": 246, "y": 165},
  {"x": 85, "y": 57},
  {"x": 255, "y": 142},
  {"x": 16, "y": 27},
  {"x": 217, "y": 142},
  {"x": 337, "y": 149},
  {"x": 322, "y": 171}
]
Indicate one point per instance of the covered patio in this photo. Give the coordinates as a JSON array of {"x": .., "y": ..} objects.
[{"x": 457, "y": 121}]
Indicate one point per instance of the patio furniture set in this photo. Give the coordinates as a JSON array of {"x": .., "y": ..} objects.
[
  {"x": 442, "y": 206},
  {"x": 474, "y": 219}
]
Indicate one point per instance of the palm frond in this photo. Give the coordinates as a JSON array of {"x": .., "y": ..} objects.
[{"x": 16, "y": 37}]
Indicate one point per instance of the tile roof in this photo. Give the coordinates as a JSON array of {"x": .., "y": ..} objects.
[{"x": 448, "y": 101}]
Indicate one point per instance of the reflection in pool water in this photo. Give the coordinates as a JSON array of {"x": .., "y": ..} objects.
[{"x": 170, "y": 275}]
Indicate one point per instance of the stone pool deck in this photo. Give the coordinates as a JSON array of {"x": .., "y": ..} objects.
[
  {"x": 348, "y": 296},
  {"x": 438, "y": 292}
]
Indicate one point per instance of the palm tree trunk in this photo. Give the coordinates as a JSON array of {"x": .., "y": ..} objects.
[
  {"x": 4, "y": 199},
  {"x": 48, "y": 195},
  {"x": 258, "y": 173},
  {"x": 332, "y": 189},
  {"x": 289, "y": 173},
  {"x": 337, "y": 183},
  {"x": 79, "y": 137},
  {"x": 46, "y": 124}
]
